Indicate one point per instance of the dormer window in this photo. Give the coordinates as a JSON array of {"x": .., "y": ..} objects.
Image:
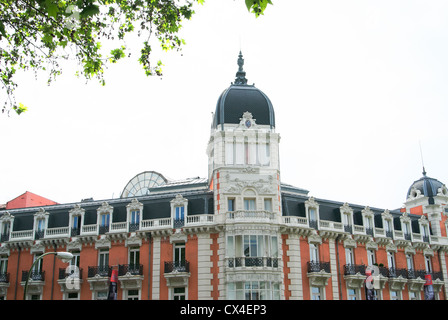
[
  {"x": 424, "y": 229},
  {"x": 134, "y": 210},
  {"x": 347, "y": 216},
  {"x": 387, "y": 223},
  {"x": 40, "y": 223},
  {"x": 367, "y": 215},
  {"x": 178, "y": 211},
  {"x": 104, "y": 217},
  {"x": 312, "y": 209},
  {"x": 6, "y": 221},
  {"x": 76, "y": 219},
  {"x": 406, "y": 226}
]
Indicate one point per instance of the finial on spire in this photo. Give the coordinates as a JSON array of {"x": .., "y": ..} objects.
[{"x": 241, "y": 74}]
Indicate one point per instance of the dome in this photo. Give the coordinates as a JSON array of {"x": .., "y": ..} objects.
[
  {"x": 240, "y": 98},
  {"x": 426, "y": 186}
]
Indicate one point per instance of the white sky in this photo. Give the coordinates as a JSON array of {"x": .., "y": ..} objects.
[{"x": 355, "y": 86}]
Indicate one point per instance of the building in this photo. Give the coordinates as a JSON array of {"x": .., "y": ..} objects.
[{"x": 239, "y": 233}]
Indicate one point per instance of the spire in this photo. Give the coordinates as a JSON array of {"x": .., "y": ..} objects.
[{"x": 241, "y": 74}]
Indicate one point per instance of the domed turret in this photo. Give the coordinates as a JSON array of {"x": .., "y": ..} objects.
[
  {"x": 427, "y": 187},
  {"x": 240, "y": 98}
]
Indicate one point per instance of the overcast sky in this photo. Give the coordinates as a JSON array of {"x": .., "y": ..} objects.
[{"x": 356, "y": 87}]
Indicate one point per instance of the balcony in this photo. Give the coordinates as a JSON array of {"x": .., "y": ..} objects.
[
  {"x": 130, "y": 276},
  {"x": 318, "y": 272},
  {"x": 98, "y": 277},
  {"x": 36, "y": 282},
  {"x": 35, "y": 276},
  {"x": 177, "y": 273},
  {"x": 267, "y": 262},
  {"x": 99, "y": 271},
  {"x": 4, "y": 283},
  {"x": 130, "y": 269},
  {"x": 4, "y": 277},
  {"x": 355, "y": 275},
  {"x": 398, "y": 277}
]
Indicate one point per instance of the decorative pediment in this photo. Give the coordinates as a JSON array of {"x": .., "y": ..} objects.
[
  {"x": 6, "y": 217},
  {"x": 349, "y": 243},
  {"x": 247, "y": 121},
  {"x": 345, "y": 209},
  {"x": 367, "y": 212},
  {"x": 133, "y": 240},
  {"x": 105, "y": 208},
  {"x": 41, "y": 214},
  {"x": 179, "y": 200},
  {"x": 77, "y": 210},
  {"x": 314, "y": 238},
  {"x": 38, "y": 247},
  {"x": 262, "y": 186},
  {"x": 74, "y": 245},
  {"x": 405, "y": 218},
  {"x": 311, "y": 203},
  {"x": 391, "y": 247},
  {"x": 386, "y": 215},
  {"x": 371, "y": 245},
  {"x": 134, "y": 205},
  {"x": 102, "y": 242}
]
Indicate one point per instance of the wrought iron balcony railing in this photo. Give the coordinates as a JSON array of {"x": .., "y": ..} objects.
[
  {"x": 352, "y": 269},
  {"x": 318, "y": 266},
  {"x": 177, "y": 266},
  {"x": 35, "y": 275},
  {"x": 102, "y": 271},
  {"x": 252, "y": 262},
  {"x": 133, "y": 269},
  {"x": 4, "y": 277}
]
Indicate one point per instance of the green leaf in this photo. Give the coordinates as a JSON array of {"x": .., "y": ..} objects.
[
  {"x": 2, "y": 29},
  {"x": 52, "y": 8},
  {"x": 90, "y": 11}
]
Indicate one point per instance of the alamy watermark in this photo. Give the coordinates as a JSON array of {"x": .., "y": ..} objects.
[
  {"x": 72, "y": 281},
  {"x": 373, "y": 277}
]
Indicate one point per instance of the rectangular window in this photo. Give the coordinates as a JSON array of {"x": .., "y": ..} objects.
[
  {"x": 253, "y": 290},
  {"x": 390, "y": 259},
  {"x": 3, "y": 264},
  {"x": 371, "y": 260},
  {"x": 179, "y": 293},
  {"x": 134, "y": 256},
  {"x": 314, "y": 252},
  {"x": 133, "y": 294},
  {"x": 135, "y": 216},
  {"x": 229, "y": 153},
  {"x": 180, "y": 213},
  {"x": 410, "y": 262},
  {"x": 105, "y": 219},
  {"x": 268, "y": 205},
  {"x": 394, "y": 295},
  {"x": 103, "y": 262},
  {"x": 316, "y": 293},
  {"x": 349, "y": 256},
  {"x": 231, "y": 204},
  {"x": 249, "y": 204},
  {"x": 352, "y": 294},
  {"x": 76, "y": 222},
  {"x": 428, "y": 264}
]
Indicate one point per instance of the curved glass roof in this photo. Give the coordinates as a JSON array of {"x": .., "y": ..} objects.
[{"x": 141, "y": 183}]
